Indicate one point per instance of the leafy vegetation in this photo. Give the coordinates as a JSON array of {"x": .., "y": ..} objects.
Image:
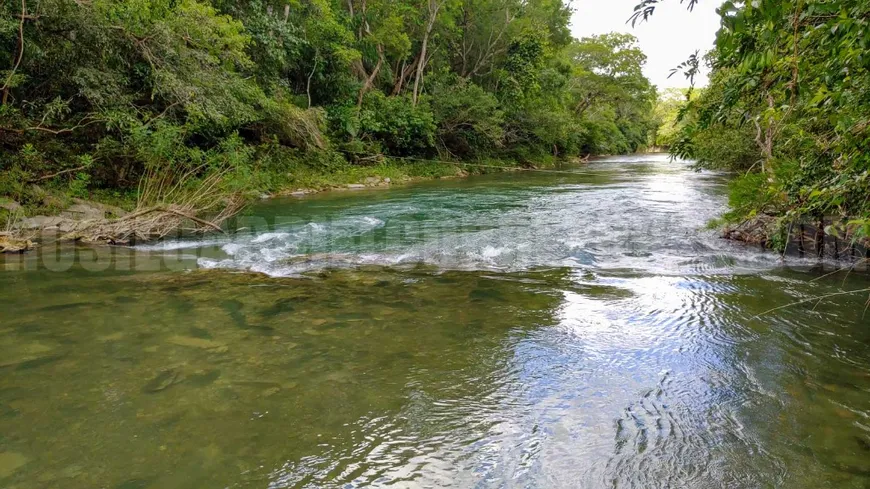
[
  {"x": 667, "y": 116},
  {"x": 97, "y": 94},
  {"x": 788, "y": 107}
]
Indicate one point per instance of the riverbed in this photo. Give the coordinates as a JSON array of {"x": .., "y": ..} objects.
[{"x": 555, "y": 329}]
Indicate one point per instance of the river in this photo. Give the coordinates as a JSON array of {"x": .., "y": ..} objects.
[{"x": 567, "y": 329}]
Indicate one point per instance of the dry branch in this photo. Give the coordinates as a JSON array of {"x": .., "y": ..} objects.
[
  {"x": 167, "y": 203},
  {"x": 57, "y": 174}
]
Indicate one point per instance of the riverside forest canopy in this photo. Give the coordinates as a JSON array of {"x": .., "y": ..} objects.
[
  {"x": 96, "y": 94},
  {"x": 788, "y": 109}
]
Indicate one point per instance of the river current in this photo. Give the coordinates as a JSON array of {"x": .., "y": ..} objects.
[{"x": 577, "y": 328}]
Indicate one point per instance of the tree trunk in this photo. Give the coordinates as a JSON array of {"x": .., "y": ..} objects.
[
  {"x": 310, "y": 75},
  {"x": 367, "y": 84},
  {"x": 433, "y": 14},
  {"x": 397, "y": 87},
  {"x": 764, "y": 137}
]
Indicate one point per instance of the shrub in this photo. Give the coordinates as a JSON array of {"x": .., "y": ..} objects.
[{"x": 469, "y": 119}]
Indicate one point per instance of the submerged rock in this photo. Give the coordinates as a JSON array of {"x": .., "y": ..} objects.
[
  {"x": 192, "y": 342},
  {"x": 10, "y": 462},
  {"x": 111, "y": 337},
  {"x": 34, "y": 353},
  {"x": 163, "y": 381},
  {"x": 270, "y": 392},
  {"x": 204, "y": 378},
  {"x": 19, "y": 361},
  {"x": 134, "y": 484}
]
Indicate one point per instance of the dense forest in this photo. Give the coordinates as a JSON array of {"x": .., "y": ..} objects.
[
  {"x": 98, "y": 95},
  {"x": 788, "y": 110}
]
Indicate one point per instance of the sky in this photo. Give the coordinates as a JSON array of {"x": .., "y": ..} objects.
[{"x": 668, "y": 38}]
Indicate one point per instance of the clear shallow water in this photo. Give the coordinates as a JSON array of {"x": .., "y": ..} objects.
[{"x": 535, "y": 330}]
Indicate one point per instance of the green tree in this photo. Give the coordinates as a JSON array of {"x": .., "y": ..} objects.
[{"x": 792, "y": 77}]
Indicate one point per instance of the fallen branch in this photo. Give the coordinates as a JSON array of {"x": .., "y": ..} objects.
[
  {"x": 195, "y": 219},
  {"x": 62, "y": 172}
]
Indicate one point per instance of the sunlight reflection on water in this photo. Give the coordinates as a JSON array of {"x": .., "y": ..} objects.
[{"x": 526, "y": 331}]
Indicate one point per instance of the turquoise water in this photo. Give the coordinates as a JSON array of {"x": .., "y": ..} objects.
[{"x": 545, "y": 330}]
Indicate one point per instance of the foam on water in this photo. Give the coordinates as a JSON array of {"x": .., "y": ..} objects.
[
  {"x": 642, "y": 213},
  {"x": 179, "y": 245}
]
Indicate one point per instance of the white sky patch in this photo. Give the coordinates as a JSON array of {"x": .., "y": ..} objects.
[{"x": 668, "y": 38}]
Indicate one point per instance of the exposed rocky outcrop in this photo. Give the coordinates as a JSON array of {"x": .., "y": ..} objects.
[
  {"x": 71, "y": 218},
  {"x": 99, "y": 223},
  {"x": 37, "y": 223},
  {"x": 84, "y": 210},
  {"x": 370, "y": 182}
]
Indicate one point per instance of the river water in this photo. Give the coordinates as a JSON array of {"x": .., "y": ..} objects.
[{"x": 572, "y": 329}]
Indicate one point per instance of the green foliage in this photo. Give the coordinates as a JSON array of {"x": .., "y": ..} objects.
[
  {"x": 522, "y": 66},
  {"x": 78, "y": 187},
  {"x": 392, "y": 125},
  {"x": 726, "y": 148},
  {"x": 246, "y": 89},
  {"x": 468, "y": 117},
  {"x": 608, "y": 90},
  {"x": 749, "y": 194},
  {"x": 12, "y": 182},
  {"x": 667, "y": 117},
  {"x": 401, "y": 128},
  {"x": 789, "y": 99}
]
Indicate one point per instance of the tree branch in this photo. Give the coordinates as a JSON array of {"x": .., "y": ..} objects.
[
  {"x": 8, "y": 81},
  {"x": 62, "y": 172}
]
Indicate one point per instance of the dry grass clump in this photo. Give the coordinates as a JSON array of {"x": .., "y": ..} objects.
[
  {"x": 168, "y": 203},
  {"x": 11, "y": 240}
]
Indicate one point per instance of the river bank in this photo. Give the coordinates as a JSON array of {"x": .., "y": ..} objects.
[
  {"x": 823, "y": 239},
  {"x": 70, "y": 218}
]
